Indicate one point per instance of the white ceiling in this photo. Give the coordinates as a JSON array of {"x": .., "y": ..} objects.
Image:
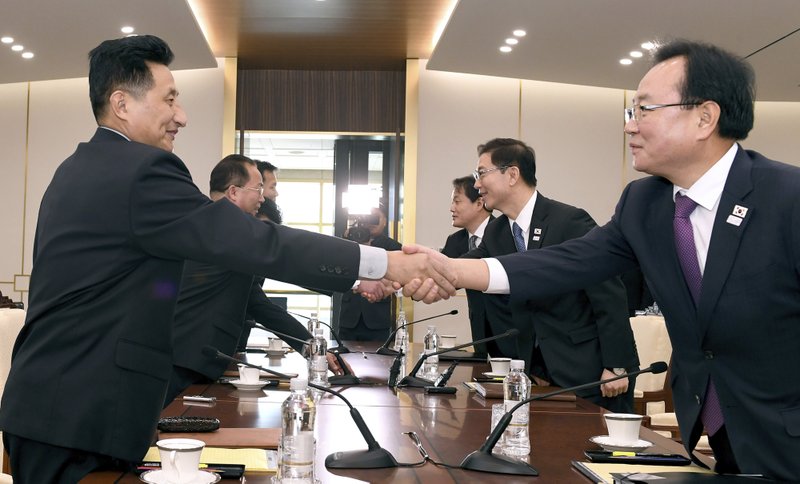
[
  {"x": 581, "y": 41},
  {"x": 568, "y": 41}
]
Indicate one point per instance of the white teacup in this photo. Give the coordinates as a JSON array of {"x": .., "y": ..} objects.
[
  {"x": 447, "y": 340},
  {"x": 180, "y": 459},
  {"x": 275, "y": 344},
  {"x": 500, "y": 366},
  {"x": 248, "y": 374},
  {"x": 623, "y": 428}
]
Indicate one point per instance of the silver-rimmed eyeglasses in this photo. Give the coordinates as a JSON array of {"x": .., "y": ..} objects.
[
  {"x": 637, "y": 112},
  {"x": 478, "y": 174},
  {"x": 259, "y": 189}
]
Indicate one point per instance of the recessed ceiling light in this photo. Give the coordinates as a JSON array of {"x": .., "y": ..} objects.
[
  {"x": 127, "y": 29},
  {"x": 505, "y": 49},
  {"x": 625, "y": 62},
  {"x": 7, "y": 40},
  {"x": 27, "y": 55},
  {"x": 17, "y": 47},
  {"x": 635, "y": 54},
  {"x": 512, "y": 41},
  {"x": 648, "y": 46},
  {"x": 519, "y": 33}
]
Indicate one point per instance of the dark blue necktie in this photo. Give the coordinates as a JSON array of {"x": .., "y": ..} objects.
[{"x": 519, "y": 239}]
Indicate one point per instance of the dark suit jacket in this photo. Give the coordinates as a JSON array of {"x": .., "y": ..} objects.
[
  {"x": 456, "y": 245},
  {"x": 581, "y": 332},
  {"x": 377, "y": 315},
  {"x": 745, "y": 331},
  {"x": 211, "y": 311},
  {"x": 91, "y": 364}
]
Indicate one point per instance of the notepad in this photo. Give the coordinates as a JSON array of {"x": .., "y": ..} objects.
[
  {"x": 600, "y": 473},
  {"x": 254, "y": 460}
]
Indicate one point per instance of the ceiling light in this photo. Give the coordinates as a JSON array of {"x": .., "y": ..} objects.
[
  {"x": 27, "y": 55},
  {"x": 519, "y": 33},
  {"x": 127, "y": 29},
  {"x": 7, "y": 40},
  {"x": 635, "y": 54},
  {"x": 505, "y": 49},
  {"x": 648, "y": 46},
  {"x": 17, "y": 47},
  {"x": 625, "y": 62},
  {"x": 512, "y": 41}
]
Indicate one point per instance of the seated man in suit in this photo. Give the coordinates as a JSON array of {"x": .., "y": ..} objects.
[
  {"x": 471, "y": 216},
  {"x": 570, "y": 339},
  {"x": 213, "y": 301}
]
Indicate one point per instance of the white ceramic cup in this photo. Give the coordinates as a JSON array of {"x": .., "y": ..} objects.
[
  {"x": 248, "y": 374},
  {"x": 180, "y": 459},
  {"x": 275, "y": 344},
  {"x": 500, "y": 366},
  {"x": 623, "y": 428},
  {"x": 447, "y": 340}
]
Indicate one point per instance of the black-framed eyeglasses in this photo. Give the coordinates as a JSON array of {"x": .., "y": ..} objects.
[
  {"x": 638, "y": 112},
  {"x": 478, "y": 174},
  {"x": 259, "y": 189}
]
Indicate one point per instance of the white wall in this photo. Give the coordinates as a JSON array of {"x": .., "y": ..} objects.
[
  {"x": 576, "y": 131},
  {"x": 40, "y": 129}
]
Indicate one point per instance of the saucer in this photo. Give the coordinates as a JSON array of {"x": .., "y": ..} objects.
[
  {"x": 606, "y": 443},
  {"x": 158, "y": 476},
  {"x": 240, "y": 385},
  {"x": 489, "y": 374}
]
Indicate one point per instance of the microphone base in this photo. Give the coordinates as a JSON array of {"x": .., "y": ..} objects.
[
  {"x": 343, "y": 380},
  {"x": 377, "y": 458},
  {"x": 414, "y": 382},
  {"x": 497, "y": 464},
  {"x": 388, "y": 352}
]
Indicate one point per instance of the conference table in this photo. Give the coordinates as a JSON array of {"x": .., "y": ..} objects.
[{"x": 449, "y": 427}]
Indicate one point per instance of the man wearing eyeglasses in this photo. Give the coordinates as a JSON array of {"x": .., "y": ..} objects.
[
  {"x": 716, "y": 232},
  {"x": 571, "y": 339}
]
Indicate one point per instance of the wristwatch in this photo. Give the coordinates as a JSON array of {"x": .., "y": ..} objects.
[{"x": 617, "y": 371}]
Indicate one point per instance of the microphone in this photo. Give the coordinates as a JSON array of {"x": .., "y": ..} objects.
[
  {"x": 484, "y": 461},
  {"x": 375, "y": 457},
  {"x": 412, "y": 380},
  {"x": 385, "y": 350},
  {"x": 394, "y": 371},
  {"x": 446, "y": 374},
  {"x": 342, "y": 348},
  {"x": 346, "y": 378}
]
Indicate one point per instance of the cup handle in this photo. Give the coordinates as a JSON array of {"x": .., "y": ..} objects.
[{"x": 172, "y": 456}]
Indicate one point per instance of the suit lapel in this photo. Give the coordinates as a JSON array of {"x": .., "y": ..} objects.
[
  {"x": 505, "y": 240},
  {"x": 726, "y": 234}
]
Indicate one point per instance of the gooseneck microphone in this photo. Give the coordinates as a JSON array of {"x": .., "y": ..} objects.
[
  {"x": 484, "y": 461},
  {"x": 385, "y": 350},
  {"x": 346, "y": 378},
  {"x": 412, "y": 380},
  {"x": 342, "y": 348},
  {"x": 375, "y": 457}
]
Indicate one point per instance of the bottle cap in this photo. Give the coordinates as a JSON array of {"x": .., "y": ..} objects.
[
  {"x": 318, "y": 332},
  {"x": 517, "y": 364},
  {"x": 431, "y": 328},
  {"x": 313, "y": 315},
  {"x": 298, "y": 384}
]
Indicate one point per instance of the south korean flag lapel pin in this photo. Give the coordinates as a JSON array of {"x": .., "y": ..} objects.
[{"x": 737, "y": 215}]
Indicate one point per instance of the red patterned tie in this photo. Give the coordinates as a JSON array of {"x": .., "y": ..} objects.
[{"x": 711, "y": 413}]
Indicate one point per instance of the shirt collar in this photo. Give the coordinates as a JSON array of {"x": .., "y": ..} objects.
[
  {"x": 524, "y": 217},
  {"x": 115, "y": 131},
  {"x": 479, "y": 231},
  {"x": 707, "y": 190}
]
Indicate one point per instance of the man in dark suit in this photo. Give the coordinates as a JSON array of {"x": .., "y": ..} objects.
[
  {"x": 213, "y": 301},
  {"x": 570, "y": 339},
  {"x": 732, "y": 311},
  {"x": 470, "y": 214},
  {"x": 90, "y": 366}
]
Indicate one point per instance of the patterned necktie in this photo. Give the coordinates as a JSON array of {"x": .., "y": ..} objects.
[
  {"x": 519, "y": 239},
  {"x": 711, "y": 413},
  {"x": 473, "y": 242}
]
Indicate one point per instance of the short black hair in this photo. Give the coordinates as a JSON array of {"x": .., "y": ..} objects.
[
  {"x": 269, "y": 210},
  {"x": 231, "y": 170},
  {"x": 266, "y": 166},
  {"x": 467, "y": 185},
  {"x": 507, "y": 152},
  {"x": 122, "y": 64},
  {"x": 713, "y": 74}
]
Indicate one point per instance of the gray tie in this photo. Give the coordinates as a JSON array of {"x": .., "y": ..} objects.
[{"x": 473, "y": 242}]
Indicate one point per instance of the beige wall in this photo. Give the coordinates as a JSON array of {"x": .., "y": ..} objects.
[
  {"x": 576, "y": 132},
  {"x": 40, "y": 125}
]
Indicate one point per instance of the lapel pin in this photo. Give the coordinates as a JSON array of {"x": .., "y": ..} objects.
[
  {"x": 536, "y": 238},
  {"x": 739, "y": 211},
  {"x": 538, "y": 231}
]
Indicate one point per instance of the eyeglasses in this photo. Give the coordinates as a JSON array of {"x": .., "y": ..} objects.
[
  {"x": 478, "y": 174},
  {"x": 259, "y": 189},
  {"x": 638, "y": 112}
]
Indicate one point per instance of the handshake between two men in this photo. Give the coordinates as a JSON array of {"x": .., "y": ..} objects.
[{"x": 425, "y": 275}]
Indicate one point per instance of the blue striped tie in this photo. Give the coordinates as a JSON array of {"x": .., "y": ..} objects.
[{"x": 519, "y": 240}]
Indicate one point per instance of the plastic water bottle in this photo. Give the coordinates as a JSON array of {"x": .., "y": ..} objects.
[
  {"x": 431, "y": 345},
  {"x": 318, "y": 360},
  {"x": 313, "y": 323},
  {"x": 517, "y": 387},
  {"x": 296, "y": 448},
  {"x": 401, "y": 337}
]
